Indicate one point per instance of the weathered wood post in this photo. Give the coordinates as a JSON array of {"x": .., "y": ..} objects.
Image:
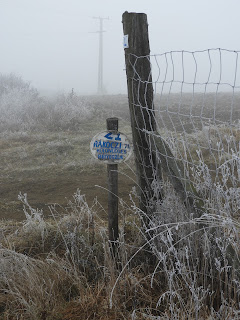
[
  {"x": 111, "y": 147},
  {"x": 112, "y": 169},
  {"x": 140, "y": 96}
]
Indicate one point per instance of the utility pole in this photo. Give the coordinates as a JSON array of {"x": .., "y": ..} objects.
[{"x": 100, "y": 56}]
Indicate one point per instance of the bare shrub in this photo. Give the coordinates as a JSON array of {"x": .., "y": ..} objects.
[
  {"x": 68, "y": 112},
  {"x": 17, "y": 101},
  {"x": 22, "y": 109}
]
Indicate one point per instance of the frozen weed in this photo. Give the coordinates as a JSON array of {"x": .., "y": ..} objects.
[{"x": 30, "y": 288}]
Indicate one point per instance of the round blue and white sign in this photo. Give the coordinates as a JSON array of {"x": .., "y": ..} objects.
[{"x": 111, "y": 147}]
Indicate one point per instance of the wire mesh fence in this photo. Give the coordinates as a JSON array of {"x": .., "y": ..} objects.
[
  {"x": 194, "y": 137},
  {"x": 184, "y": 109}
]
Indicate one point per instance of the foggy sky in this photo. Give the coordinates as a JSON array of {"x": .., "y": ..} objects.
[{"x": 49, "y": 42}]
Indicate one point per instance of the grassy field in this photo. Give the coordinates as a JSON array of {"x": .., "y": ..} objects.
[
  {"x": 49, "y": 158},
  {"x": 51, "y": 166},
  {"x": 56, "y": 261}
]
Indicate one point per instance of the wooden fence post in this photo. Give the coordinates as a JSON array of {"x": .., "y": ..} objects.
[
  {"x": 140, "y": 95},
  {"x": 112, "y": 169}
]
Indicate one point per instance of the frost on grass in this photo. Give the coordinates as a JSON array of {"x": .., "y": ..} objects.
[
  {"x": 31, "y": 288},
  {"x": 196, "y": 260},
  {"x": 197, "y": 255},
  {"x": 180, "y": 267}
]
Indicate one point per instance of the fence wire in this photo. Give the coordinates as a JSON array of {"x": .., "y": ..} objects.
[{"x": 196, "y": 136}]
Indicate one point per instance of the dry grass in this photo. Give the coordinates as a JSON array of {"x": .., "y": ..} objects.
[
  {"x": 32, "y": 288},
  {"x": 62, "y": 268}
]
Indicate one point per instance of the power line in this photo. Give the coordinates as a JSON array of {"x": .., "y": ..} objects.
[{"x": 100, "y": 56}]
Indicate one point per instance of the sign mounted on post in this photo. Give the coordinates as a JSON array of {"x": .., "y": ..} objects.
[
  {"x": 111, "y": 147},
  {"x": 125, "y": 42}
]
